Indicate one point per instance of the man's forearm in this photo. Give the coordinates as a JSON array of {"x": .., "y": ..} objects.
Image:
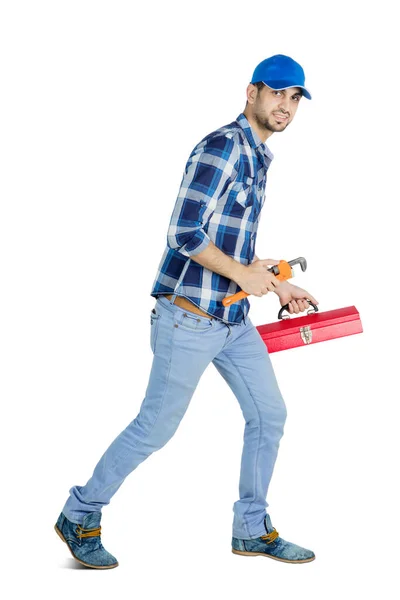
[{"x": 214, "y": 259}]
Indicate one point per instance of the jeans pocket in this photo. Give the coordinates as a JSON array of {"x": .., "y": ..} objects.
[{"x": 154, "y": 322}]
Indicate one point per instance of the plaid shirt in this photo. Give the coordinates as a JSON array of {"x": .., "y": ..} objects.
[{"x": 220, "y": 199}]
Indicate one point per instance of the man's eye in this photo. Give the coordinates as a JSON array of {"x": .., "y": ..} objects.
[{"x": 277, "y": 92}]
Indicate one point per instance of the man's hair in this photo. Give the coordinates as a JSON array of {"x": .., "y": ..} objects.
[{"x": 259, "y": 85}]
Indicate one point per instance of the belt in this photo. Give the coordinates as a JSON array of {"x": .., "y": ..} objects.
[{"x": 188, "y": 305}]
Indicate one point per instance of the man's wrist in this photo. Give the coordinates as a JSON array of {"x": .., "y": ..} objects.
[
  {"x": 282, "y": 288},
  {"x": 238, "y": 271}
]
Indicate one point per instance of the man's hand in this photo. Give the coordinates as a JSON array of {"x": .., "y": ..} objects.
[
  {"x": 255, "y": 279},
  {"x": 294, "y": 296}
]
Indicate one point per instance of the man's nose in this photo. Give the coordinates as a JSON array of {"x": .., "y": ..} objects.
[{"x": 284, "y": 104}]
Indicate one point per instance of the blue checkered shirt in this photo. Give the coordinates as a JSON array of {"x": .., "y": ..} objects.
[{"x": 220, "y": 199}]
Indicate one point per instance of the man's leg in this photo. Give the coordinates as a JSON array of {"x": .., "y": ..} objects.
[
  {"x": 183, "y": 346},
  {"x": 246, "y": 366}
]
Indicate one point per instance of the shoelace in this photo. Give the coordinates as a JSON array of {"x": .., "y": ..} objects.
[
  {"x": 270, "y": 537},
  {"x": 89, "y": 532}
]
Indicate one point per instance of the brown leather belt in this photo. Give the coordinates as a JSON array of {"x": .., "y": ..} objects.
[{"x": 189, "y": 306}]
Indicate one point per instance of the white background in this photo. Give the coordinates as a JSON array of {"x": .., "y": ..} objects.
[{"x": 101, "y": 105}]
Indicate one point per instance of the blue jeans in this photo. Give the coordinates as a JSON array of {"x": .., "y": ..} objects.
[{"x": 184, "y": 344}]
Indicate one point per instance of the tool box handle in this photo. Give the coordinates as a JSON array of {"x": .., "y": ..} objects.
[{"x": 286, "y": 307}]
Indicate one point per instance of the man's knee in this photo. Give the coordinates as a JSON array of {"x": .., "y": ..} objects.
[
  {"x": 164, "y": 429},
  {"x": 274, "y": 414},
  {"x": 282, "y": 410}
]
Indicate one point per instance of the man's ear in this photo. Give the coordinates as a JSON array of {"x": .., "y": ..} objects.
[{"x": 251, "y": 92}]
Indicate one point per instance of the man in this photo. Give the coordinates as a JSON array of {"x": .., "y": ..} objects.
[{"x": 210, "y": 255}]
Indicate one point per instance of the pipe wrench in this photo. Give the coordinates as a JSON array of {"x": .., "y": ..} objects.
[{"x": 282, "y": 271}]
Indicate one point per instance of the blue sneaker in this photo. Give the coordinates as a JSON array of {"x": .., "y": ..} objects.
[
  {"x": 273, "y": 546},
  {"x": 84, "y": 541}
]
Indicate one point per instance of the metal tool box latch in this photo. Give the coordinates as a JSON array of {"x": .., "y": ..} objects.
[{"x": 306, "y": 334}]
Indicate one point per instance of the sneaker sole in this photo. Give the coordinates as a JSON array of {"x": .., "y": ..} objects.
[
  {"x": 78, "y": 559},
  {"x": 244, "y": 553}
]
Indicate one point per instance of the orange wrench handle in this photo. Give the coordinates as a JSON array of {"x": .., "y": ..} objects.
[{"x": 228, "y": 300}]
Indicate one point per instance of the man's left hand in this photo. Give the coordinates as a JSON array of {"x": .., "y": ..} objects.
[{"x": 294, "y": 296}]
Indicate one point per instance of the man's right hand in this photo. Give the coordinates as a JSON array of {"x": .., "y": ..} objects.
[{"x": 256, "y": 280}]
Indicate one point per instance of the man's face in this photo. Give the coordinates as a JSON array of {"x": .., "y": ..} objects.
[{"x": 275, "y": 109}]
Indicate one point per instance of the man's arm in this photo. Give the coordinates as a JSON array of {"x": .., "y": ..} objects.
[
  {"x": 214, "y": 259},
  {"x": 209, "y": 169},
  {"x": 252, "y": 279}
]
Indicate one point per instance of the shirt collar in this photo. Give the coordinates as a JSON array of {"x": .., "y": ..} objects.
[{"x": 254, "y": 139}]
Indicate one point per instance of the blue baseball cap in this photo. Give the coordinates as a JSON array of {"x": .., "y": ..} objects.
[{"x": 280, "y": 72}]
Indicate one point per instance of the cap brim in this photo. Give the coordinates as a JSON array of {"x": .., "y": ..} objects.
[{"x": 275, "y": 85}]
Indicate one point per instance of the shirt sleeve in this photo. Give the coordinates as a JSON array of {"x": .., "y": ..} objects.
[{"x": 209, "y": 169}]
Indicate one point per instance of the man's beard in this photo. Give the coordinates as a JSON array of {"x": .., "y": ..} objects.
[{"x": 268, "y": 124}]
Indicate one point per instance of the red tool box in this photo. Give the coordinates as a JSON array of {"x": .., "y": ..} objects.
[{"x": 315, "y": 327}]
